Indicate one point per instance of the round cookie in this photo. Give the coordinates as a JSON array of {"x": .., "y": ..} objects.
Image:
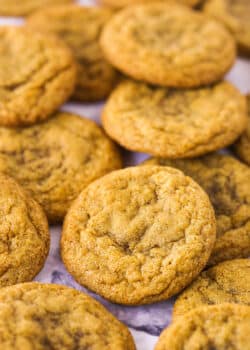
[
  {"x": 46, "y": 316},
  {"x": 122, "y": 3},
  {"x": 37, "y": 75},
  {"x": 25, "y": 240},
  {"x": 220, "y": 327},
  {"x": 80, "y": 28},
  {"x": 227, "y": 282},
  {"x": 138, "y": 235},
  {"x": 235, "y": 15},
  {"x": 226, "y": 181},
  {"x": 242, "y": 146},
  {"x": 55, "y": 160},
  {"x": 25, "y": 7},
  {"x": 168, "y": 44},
  {"x": 174, "y": 123}
]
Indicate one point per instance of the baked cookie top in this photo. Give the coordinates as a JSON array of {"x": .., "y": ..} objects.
[
  {"x": 25, "y": 7},
  {"x": 175, "y": 123},
  {"x": 242, "y": 146},
  {"x": 227, "y": 282},
  {"x": 122, "y": 3},
  {"x": 226, "y": 181},
  {"x": 138, "y": 235},
  {"x": 37, "y": 75},
  {"x": 220, "y": 327},
  {"x": 48, "y": 316},
  {"x": 25, "y": 239},
  {"x": 80, "y": 28},
  {"x": 168, "y": 44},
  {"x": 55, "y": 160},
  {"x": 235, "y": 15}
]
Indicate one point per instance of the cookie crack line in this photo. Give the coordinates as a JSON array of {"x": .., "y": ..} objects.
[{"x": 48, "y": 81}]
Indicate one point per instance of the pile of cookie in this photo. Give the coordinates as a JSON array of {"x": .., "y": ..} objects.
[{"x": 179, "y": 223}]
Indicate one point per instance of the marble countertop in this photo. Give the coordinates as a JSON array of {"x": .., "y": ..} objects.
[{"x": 145, "y": 322}]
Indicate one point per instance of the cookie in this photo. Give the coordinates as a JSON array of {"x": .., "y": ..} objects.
[
  {"x": 37, "y": 74},
  {"x": 220, "y": 327},
  {"x": 122, "y": 3},
  {"x": 55, "y": 160},
  {"x": 235, "y": 15},
  {"x": 168, "y": 44},
  {"x": 227, "y": 282},
  {"x": 174, "y": 123},
  {"x": 80, "y": 28},
  {"x": 25, "y": 240},
  {"x": 226, "y": 181},
  {"x": 242, "y": 146},
  {"x": 138, "y": 235},
  {"x": 25, "y": 7},
  {"x": 45, "y": 316}
]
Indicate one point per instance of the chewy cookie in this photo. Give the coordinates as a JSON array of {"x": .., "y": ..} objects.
[
  {"x": 242, "y": 146},
  {"x": 25, "y": 240},
  {"x": 46, "y": 316},
  {"x": 37, "y": 74},
  {"x": 80, "y": 28},
  {"x": 122, "y": 3},
  {"x": 175, "y": 123},
  {"x": 226, "y": 181},
  {"x": 138, "y": 235},
  {"x": 57, "y": 159},
  {"x": 168, "y": 44},
  {"x": 235, "y": 14},
  {"x": 25, "y": 7},
  {"x": 220, "y": 327},
  {"x": 227, "y": 282}
]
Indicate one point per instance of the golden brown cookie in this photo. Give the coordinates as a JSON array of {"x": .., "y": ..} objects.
[
  {"x": 80, "y": 28},
  {"x": 220, "y": 327},
  {"x": 235, "y": 14},
  {"x": 227, "y": 282},
  {"x": 226, "y": 181},
  {"x": 168, "y": 44},
  {"x": 25, "y": 240},
  {"x": 55, "y": 160},
  {"x": 122, "y": 3},
  {"x": 174, "y": 123},
  {"x": 138, "y": 235},
  {"x": 242, "y": 146},
  {"x": 25, "y": 7},
  {"x": 45, "y": 316},
  {"x": 37, "y": 75}
]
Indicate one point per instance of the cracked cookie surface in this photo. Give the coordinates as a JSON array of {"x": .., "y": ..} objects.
[
  {"x": 219, "y": 327},
  {"x": 235, "y": 15},
  {"x": 55, "y": 160},
  {"x": 25, "y": 7},
  {"x": 24, "y": 239},
  {"x": 174, "y": 123},
  {"x": 168, "y": 44},
  {"x": 242, "y": 146},
  {"x": 138, "y": 235},
  {"x": 37, "y": 75},
  {"x": 226, "y": 181},
  {"x": 80, "y": 27},
  {"x": 47, "y": 316},
  {"x": 122, "y": 3},
  {"x": 227, "y": 282}
]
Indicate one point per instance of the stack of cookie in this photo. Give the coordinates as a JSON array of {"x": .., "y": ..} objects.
[
  {"x": 180, "y": 220},
  {"x": 47, "y": 157}
]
